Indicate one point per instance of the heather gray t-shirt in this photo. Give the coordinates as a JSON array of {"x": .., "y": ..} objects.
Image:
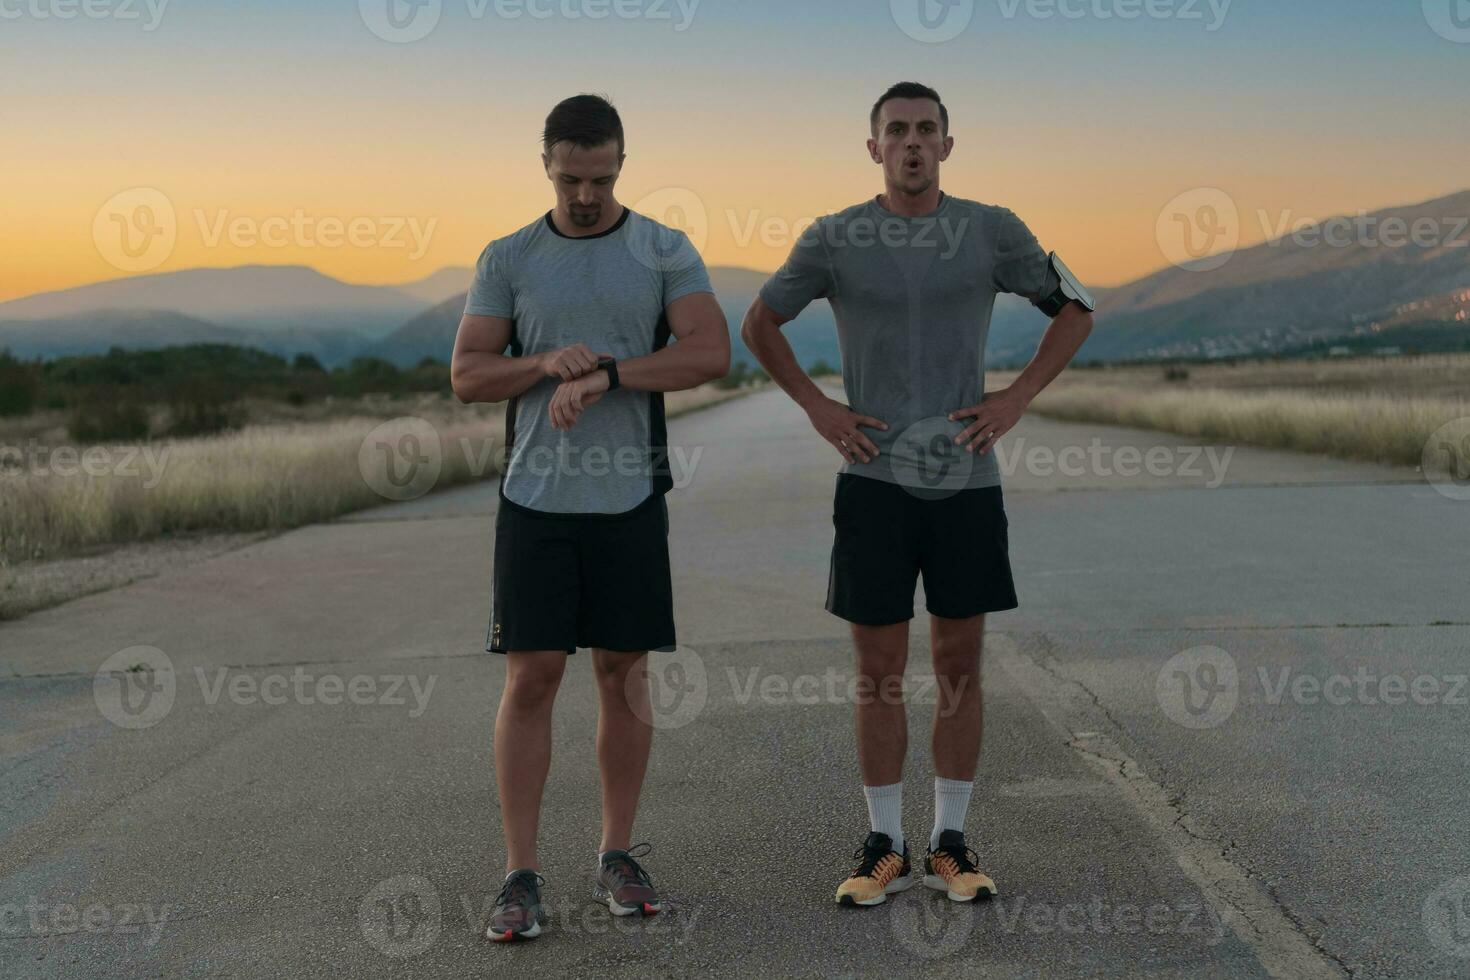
[
  {"x": 610, "y": 292},
  {"x": 913, "y": 299}
]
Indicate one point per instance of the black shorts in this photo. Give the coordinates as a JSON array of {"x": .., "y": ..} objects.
[
  {"x": 887, "y": 537},
  {"x": 568, "y": 581}
]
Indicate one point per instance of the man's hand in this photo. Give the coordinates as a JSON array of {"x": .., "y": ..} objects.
[
  {"x": 839, "y": 424},
  {"x": 997, "y": 413},
  {"x": 573, "y": 397},
  {"x": 569, "y": 362}
]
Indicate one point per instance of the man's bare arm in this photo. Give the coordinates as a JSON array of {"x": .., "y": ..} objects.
[
  {"x": 999, "y": 411},
  {"x": 834, "y": 421},
  {"x": 702, "y": 353},
  {"x": 1063, "y": 338},
  {"x": 481, "y": 372}
]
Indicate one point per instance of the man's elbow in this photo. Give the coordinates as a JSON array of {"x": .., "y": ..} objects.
[
  {"x": 719, "y": 362},
  {"x": 757, "y": 326},
  {"x": 461, "y": 382}
]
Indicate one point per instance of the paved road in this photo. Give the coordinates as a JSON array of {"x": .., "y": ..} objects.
[{"x": 1226, "y": 736}]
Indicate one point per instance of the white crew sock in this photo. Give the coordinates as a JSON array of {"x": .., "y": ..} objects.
[
  {"x": 885, "y": 811},
  {"x": 951, "y": 803}
]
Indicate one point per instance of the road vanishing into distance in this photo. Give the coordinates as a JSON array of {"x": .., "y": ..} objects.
[{"x": 1226, "y": 736}]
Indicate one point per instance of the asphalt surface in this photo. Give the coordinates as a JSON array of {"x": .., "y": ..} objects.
[{"x": 1226, "y": 736}]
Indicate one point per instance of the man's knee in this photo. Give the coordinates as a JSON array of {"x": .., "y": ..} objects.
[
  {"x": 879, "y": 653},
  {"x": 956, "y": 648},
  {"x": 533, "y": 679},
  {"x": 612, "y": 670}
]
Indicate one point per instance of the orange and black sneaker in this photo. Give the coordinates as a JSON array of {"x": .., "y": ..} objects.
[
  {"x": 950, "y": 868},
  {"x": 881, "y": 872}
]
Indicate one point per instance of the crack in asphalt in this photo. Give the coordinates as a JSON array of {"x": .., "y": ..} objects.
[{"x": 1173, "y": 800}]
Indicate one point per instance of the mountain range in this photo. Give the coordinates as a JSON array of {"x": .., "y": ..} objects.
[{"x": 1285, "y": 295}]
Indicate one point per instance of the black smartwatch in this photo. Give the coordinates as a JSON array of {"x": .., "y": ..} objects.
[{"x": 610, "y": 365}]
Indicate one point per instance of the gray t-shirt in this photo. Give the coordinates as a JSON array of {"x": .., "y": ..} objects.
[
  {"x": 913, "y": 299},
  {"x": 610, "y": 292}
]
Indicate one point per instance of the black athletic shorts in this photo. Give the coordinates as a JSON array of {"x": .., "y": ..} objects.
[
  {"x": 887, "y": 536},
  {"x": 568, "y": 581}
]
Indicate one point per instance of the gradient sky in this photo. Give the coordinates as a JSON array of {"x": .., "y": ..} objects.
[{"x": 1085, "y": 126}]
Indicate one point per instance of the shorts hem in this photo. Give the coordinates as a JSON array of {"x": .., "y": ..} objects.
[
  {"x": 857, "y": 620},
  {"x": 982, "y": 610}
]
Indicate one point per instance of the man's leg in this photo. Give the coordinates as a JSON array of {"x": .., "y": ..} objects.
[
  {"x": 523, "y": 748},
  {"x": 624, "y": 740},
  {"x": 950, "y": 864},
  {"x": 882, "y": 738},
  {"x": 958, "y": 714},
  {"x": 882, "y": 730}
]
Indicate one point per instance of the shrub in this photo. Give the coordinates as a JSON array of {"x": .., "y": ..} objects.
[
  {"x": 19, "y": 385},
  {"x": 109, "y": 413}
]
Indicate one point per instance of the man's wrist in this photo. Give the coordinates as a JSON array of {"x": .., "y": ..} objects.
[
  {"x": 809, "y": 397},
  {"x": 608, "y": 368},
  {"x": 1027, "y": 391}
]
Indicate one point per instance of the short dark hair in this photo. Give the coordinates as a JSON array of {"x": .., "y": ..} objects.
[
  {"x": 585, "y": 120},
  {"x": 910, "y": 90}
]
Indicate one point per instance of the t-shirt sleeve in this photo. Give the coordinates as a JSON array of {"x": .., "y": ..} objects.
[
  {"x": 490, "y": 293},
  {"x": 683, "y": 269},
  {"x": 1021, "y": 264},
  {"x": 806, "y": 276}
]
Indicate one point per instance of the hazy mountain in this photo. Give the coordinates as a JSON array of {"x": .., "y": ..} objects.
[
  {"x": 430, "y": 334},
  {"x": 442, "y": 285},
  {"x": 98, "y": 332},
  {"x": 252, "y": 296},
  {"x": 1287, "y": 293}
]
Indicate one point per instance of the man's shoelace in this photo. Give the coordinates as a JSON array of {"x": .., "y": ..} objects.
[
  {"x": 868, "y": 858},
  {"x": 626, "y": 871},
  {"x": 519, "y": 890},
  {"x": 965, "y": 860}
]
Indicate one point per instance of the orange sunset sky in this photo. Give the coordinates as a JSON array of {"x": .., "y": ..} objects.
[{"x": 1086, "y": 126}]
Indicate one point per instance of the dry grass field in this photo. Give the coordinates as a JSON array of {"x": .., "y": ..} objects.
[
  {"x": 1375, "y": 409},
  {"x": 288, "y": 468}
]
